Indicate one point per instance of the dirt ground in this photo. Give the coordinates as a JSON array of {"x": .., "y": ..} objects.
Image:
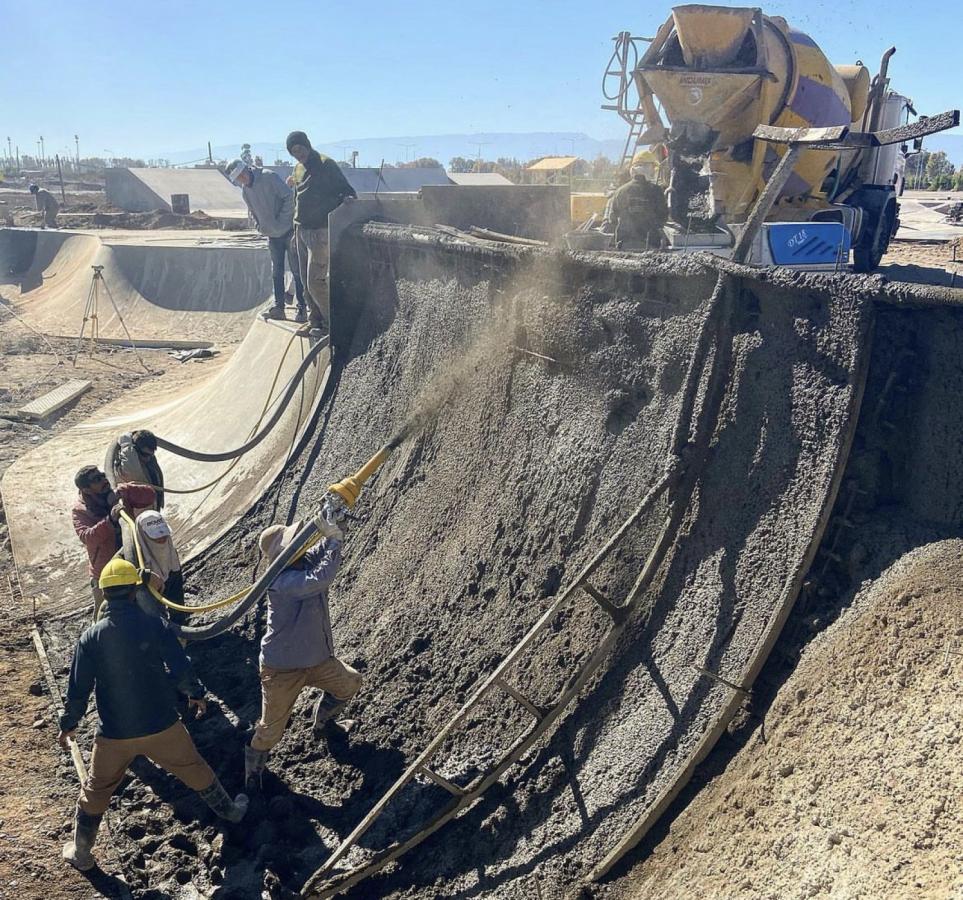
[
  {"x": 844, "y": 786},
  {"x": 90, "y": 209}
]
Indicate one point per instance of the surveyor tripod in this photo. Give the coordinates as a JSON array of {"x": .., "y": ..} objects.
[{"x": 91, "y": 316}]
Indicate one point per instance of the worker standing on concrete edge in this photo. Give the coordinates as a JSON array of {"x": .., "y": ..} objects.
[
  {"x": 270, "y": 203},
  {"x": 320, "y": 188},
  {"x": 297, "y": 650},
  {"x": 96, "y": 515},
  {"x": 637, "y": 213},
  {"x": 132, "y": 458},
  {"x": 47, "y": 204},
  {"x": 135, "y": 666}
]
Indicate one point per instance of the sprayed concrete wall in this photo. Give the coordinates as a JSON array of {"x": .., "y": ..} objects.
[{"x": 476, "y": 523}]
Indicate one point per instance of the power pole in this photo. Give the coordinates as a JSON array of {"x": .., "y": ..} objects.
[
  {"x": 9, "y": 150},
  {"x": 77, "y": 146},
  {"x": 43, "y": 154},
  {"x": 210, "y": 156},
  {"x": 60, "y": 173}
]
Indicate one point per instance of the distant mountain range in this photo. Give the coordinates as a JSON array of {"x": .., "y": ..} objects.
[
  {"x": 443, "y": 147},
  {"x": 487, "y": 145}
]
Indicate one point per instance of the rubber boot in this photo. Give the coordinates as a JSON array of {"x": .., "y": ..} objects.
[
  {"x": 327, "y": 708},
  {"x": 254, "y": 763},
  {"x": 301, "y": 315},
  {"x": 77, "y": 853},
  {"x": 220, "y": 802}
]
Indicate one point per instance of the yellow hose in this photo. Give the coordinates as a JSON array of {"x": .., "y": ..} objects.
[{"x": 207, "y": 607}]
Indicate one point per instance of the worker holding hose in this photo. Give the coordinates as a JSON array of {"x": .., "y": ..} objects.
[
  {"x": 136, "y": 667},
  {"x": 161, "y": 563},
  {"x": 96, "y": 518},
  {"x": 297, "y": 650},
  {"x": 132, "y": 458}
]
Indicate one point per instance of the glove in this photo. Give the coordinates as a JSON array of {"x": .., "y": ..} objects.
[{"x": 329, "y": 524}]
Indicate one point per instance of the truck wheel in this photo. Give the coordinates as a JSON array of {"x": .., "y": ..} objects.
[{"x": 867, "y": 255}]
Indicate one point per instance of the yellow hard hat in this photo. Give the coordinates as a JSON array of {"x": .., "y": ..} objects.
[
  {"x": 644, "y": 157},
  {"x": 118, "y": 573}
]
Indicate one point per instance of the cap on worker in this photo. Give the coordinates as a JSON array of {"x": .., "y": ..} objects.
[
  {"x": 235, "y": 170},
  {"x": 154, "y": 525},
  {"x": 118, "y": 573},
  {"x": 297, "y": 137},
  {"x": 275, "y": 538},
  {"x": 87, "y": 475},
  {"x": 34, "y": 188}
]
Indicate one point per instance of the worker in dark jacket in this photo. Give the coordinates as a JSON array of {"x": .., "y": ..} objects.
[
  {"x": 136, "y": 667},
  {"x": 132, "y": 459},
  {"x": 47, "y": 204},
  {"x": 297, "y": 650},
  {"x": 270, "y": 203},
  {"x": 96, "y": 516},
  {"x": 319, "y": 188},
  {"x": 637, "y": 212}
]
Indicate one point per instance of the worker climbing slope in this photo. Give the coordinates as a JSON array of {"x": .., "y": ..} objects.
[
  {"x": 297, "y": 649},
  {"x": 136, "y": 666}
]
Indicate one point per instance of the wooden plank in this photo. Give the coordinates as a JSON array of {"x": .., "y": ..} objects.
[
  {"x": 442, "y": 782},
  {"x": 520, "y": 698},
  {"x": 53, "y": 400}
]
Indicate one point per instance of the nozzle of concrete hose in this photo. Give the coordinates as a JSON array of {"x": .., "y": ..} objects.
[
  {"x": 349, "y": 488},
  {"x": 340, "y": 497}
]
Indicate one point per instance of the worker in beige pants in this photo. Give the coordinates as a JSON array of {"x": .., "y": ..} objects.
[
  {"x": 297, "y": 650},
  {"x": 280, "y": 689},
  {"x": 136, "y": 667}
]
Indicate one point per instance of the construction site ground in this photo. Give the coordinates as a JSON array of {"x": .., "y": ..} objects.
[{"x": 860, "y": 699}]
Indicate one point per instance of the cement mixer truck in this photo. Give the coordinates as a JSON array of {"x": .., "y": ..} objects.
[{"x": 717, "y": 74}]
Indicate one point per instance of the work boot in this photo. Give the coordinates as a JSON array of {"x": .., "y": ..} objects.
[
  {"x": 275, "y": 312},
  {"x": 301, "y": 315},
  {"x": 327, "y": 708},
  {"x": 77, "y": 853},
  {"x": 220, "y": 802},
  {"x": 254, "y": 763}
]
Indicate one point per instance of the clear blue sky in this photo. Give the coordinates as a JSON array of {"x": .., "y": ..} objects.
[{"x": 141, "y": 79}]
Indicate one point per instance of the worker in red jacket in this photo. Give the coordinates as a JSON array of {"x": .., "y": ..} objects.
[{"x": 96, "y": 515}]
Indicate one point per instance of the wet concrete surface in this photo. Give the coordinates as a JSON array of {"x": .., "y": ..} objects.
[{"x": 475, "y": 524}]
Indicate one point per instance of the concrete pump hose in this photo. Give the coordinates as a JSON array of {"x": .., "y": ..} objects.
[
  {"x": 226, "y": 455},
  {"x": 308, "y": 535}
]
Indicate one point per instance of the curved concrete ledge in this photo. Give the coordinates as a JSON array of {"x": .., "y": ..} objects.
[{"x": 196, "y": 291}]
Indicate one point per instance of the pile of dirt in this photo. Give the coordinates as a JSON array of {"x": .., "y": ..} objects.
[{"x": 850, "y": 787}]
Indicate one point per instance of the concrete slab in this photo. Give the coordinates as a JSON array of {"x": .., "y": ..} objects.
[
  {"x": 165, "y": 287},
  {"x": 47, "y": 404},
  {"x": 924, "y": 219},
  {"x": 143, "y": 190}
]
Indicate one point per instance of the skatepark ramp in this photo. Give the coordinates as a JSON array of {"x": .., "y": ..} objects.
[
  {"x": 144, "y": 190},
  {"x": 165, "y": 293}
]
